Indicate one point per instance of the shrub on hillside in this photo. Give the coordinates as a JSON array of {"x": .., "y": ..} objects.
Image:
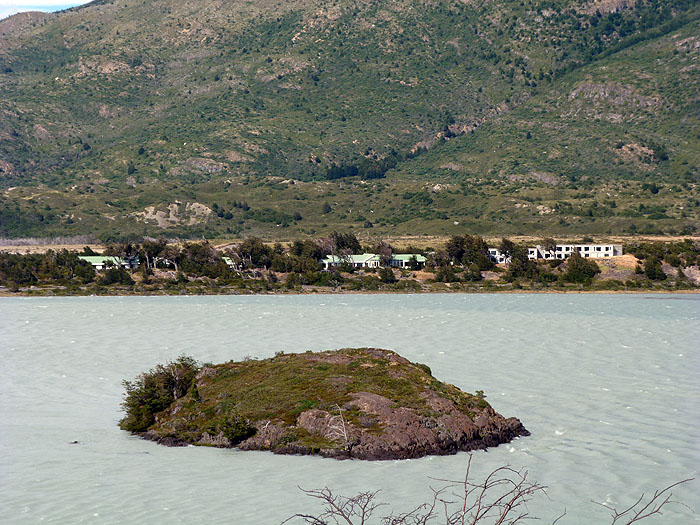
[{"x": 154, "y": 391}]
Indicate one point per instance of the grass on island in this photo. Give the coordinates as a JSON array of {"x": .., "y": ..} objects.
[{"x": 233, "y": 396}]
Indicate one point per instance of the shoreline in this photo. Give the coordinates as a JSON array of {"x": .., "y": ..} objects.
[{"x": 4, "y": 294}]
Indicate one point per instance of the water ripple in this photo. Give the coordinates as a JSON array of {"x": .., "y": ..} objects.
[{"x": 607, "y": 384}]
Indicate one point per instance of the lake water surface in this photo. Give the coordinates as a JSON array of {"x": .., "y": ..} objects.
[{"x": 607, "y": 384}]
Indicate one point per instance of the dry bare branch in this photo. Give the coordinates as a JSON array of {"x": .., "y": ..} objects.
[
  {"x": 640, "y": 510},
  {"x": 501, "y": 499}
]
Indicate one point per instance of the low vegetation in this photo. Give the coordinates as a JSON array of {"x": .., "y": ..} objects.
[{"x": 252, "y": 266}]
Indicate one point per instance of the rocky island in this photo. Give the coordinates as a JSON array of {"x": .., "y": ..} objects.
[{"x": 364, "y": 403}]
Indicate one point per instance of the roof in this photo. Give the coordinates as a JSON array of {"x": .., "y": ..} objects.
[
  {"x": 365, "y": 257},
  {"x": 407, "y": 257},
  {"x": 101, "y": 259}
]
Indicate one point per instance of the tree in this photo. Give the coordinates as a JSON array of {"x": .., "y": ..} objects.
[
  {"x": 468, "y": 250},
  {"x": 500, "y": 499},
  {"x": 202, "y": 259},
  {"x": 326, "y": 208},
  {"x": 151, "y": 250},
  {"x": 455, "y": 248},
  {"x": 521, "y": 266},
  {"x": 385, "y": 252},
  {"x": 345, "y": 243},
  {"x": 155, "y": 391},
  {"x": 173, "y": 254},
  {"x": 506, "y": 247},
  {"x": 580, "y": 270},
  {"x": 549, "y": 246},
  {"x": 255, "y": 252},
  {"x": 386, "y": 275},
  {"x": 413, "y": 263},
  {"x": 653, "y": 269},
  {"x": 116, "y": 276},
  {"x": 120, "y": 249}
]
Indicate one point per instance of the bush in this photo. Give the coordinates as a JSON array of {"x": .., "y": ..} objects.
[
  {"x": 386, "y": 275},
  {"x": 154, "y": 391},
  {"x": 446, "y": 274},
  {"x": 580, "y": 269},
  {"x": 236, "y": 428},
  {"x": 116, "y": 276},
  {"x": 653, "y": 269}
]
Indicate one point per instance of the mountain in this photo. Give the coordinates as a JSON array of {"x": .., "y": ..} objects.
[{"x": 133, "y": 117}]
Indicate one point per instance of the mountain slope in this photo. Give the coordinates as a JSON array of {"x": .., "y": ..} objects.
[{"x": 132, "y": 107}]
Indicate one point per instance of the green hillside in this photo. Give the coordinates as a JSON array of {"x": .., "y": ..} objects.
[{"x": 228, "y": 118}]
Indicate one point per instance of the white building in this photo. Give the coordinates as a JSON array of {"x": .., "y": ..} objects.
[
  {"x": 497, "y": 257},
  {"x": 564, "y": 251},
  {"x": 403, "y": 260},
  {"x": 371, "y": 260},
  {"x": 100, "y": 262},
  {"x": 366, "y": 260}
]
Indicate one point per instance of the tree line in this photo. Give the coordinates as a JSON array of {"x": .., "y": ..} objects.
[{"x": 462, "y": 258}]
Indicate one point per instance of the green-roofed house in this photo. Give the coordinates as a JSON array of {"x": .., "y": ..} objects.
[
  {"x": 403, "y": 260},
  {"x": 101, "y": 262},
  {"x": 371, "y": 260},
  {"x": 366, "y": 260}
]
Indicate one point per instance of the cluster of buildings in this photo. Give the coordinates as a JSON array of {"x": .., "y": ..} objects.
[
  {"x": 562, "y": 251},
  {"x": 401, "y": 260}
]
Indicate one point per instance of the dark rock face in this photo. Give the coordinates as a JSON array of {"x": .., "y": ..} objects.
[
  {"x": 168, "y": 441},
  {"x": 405, "y": 433},
  {"x": 368, "y": 403}
]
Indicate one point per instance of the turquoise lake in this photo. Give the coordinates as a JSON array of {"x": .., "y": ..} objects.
[{"x": 608, "y": 385}]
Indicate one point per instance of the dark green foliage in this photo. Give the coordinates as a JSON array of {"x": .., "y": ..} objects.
[
  {"x": 202, "y": 260},
  {"x": 61, "y": 266},
  {"x": 653, "y": 269},
  {"x": 520, "y": 266},
  {"x": 580, "y": 270},
  {"x": 294, "y": 263},
  {"x": 236, "y": 428},
  {"x": 307, "y": 249},
  {"x": 446, "y": 274},
  {"x": 468, "y": 250},
  {"x": 413, "y": 263},
  {"x": 116, "y": 276},
  {"x": 472, "y": 272},
  {"x": 506, "y": 247},
  {"x": 677, "y": 253},
  {"x": 386, "y": 275},
  {"x": 154, "y": 391},
  {"x": 345, "y": 243},
  {"x": 254, "y": 250}
]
